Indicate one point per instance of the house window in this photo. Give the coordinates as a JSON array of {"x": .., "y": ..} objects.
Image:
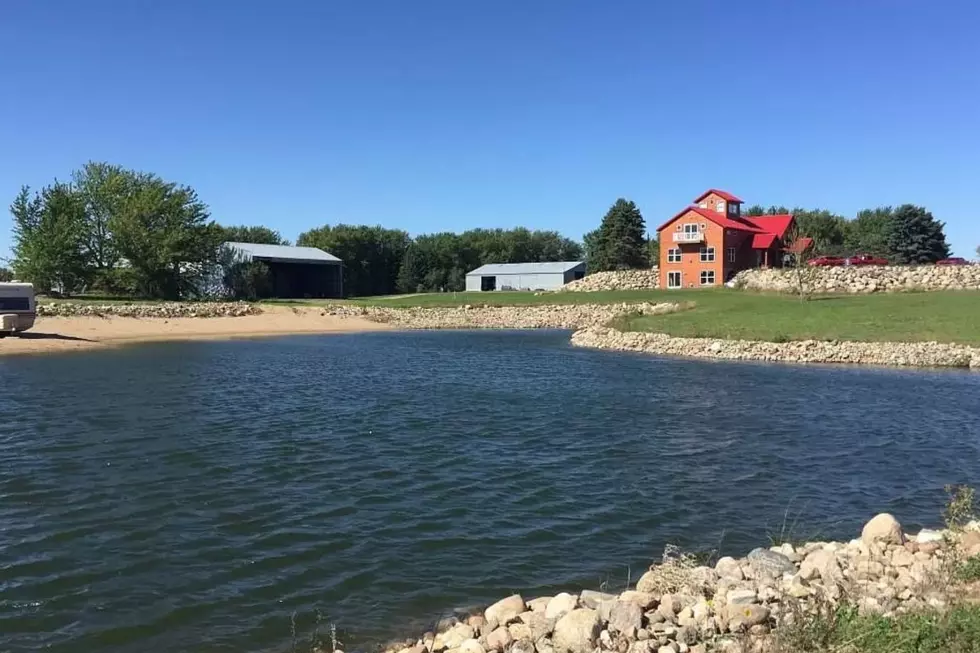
[
  {"x": 731, "y": 254},
  {"x": 703, "y": 205},
  {"x": 673, "y": 279},
  {"x": 707, "y": 254},
  {"x": 707, "y": 277},
  {"x": 674, "y": 255},
  {"x": 720, "y": 206},
  {"x": 690, "y": 229}
]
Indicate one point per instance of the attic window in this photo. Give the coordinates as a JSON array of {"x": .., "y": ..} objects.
[
  {"x": 720, "y": 206},
  {"x": 703, "y": 205}
]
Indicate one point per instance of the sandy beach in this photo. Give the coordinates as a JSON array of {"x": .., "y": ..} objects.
[{"x": 55, "y": 334}]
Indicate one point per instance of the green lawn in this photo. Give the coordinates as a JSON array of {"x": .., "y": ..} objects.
[{"x": 903, "y": 317}]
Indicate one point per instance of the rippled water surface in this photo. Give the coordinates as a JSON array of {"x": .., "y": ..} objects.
[{"x": 195, "y": 496}]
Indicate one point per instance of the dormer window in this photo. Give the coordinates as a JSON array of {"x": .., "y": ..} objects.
[
  {"x": 733, "y": 208},
  {"x": 720, "y": 206},
  {"x": 703, "y": 205}
]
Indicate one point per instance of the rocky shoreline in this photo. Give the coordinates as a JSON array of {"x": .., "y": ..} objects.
[
  {"x": 168, "y": 310},
  {"x": 897, "y": 354},
  {"x": 734, "y": 605}
]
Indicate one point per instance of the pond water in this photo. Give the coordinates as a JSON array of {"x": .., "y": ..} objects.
[{"x": 208, "y": 496}]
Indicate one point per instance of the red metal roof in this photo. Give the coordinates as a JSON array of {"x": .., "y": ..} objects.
[
  {"x": 763, "y": 241},
  {"x": 719, "y": 219},
  {"x": 728, "y": 197},
  {"x": 773, "y": 224}
]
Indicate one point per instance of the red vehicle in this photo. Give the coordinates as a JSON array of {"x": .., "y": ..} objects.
[
  {"x": 826, "y": 261},
  {"x": 865, "y": 259},
  {"x": 956, "y": 260}
]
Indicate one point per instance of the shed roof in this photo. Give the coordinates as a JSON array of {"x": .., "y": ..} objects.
[
  {"x": 284, "y": 253},
  {"x": 559, "y": 267}
]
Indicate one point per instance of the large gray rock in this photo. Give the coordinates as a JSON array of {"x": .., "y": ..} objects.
[
  {"x": 821, "y": 564},
  {"x": 576, "y": 631},
  {"x": 746, "y": 616},
  {"x": 741, "y": 597},
  {"x": 499, "y": 639},
  {"x": 625, "y": 617},
  {"x": 453, "y": 637},
  {"x": 592, "y": 599},
  {"x": 539, "y": 624},
  {"x": 729, "y": 568},
  {"x": 471, "y": 646},
  {"x": 645, "y": 600},
  {"x": 539, "y": 604},
  {"x": 503, "y": 611},
  {"x": 882, "y": 528},
  {"x": 769, "y": 563},
  {"x": 560, "y": 605}
]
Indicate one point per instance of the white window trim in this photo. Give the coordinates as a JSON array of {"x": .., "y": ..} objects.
[
  {"x": 692, "y": 230},
  {"x": 704, "y": 273},
  {"x": 731, "y": 254},
  {"x": 707, "y": 254},
  {"x": 680, "y": 280},
  {"x": 721, "y": 204},
  {"x": 674, "y": 255}
]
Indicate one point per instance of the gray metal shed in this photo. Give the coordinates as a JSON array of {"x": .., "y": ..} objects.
[
  {"x": 524, "y": 276},
  {"x": 296, "y": 271}
]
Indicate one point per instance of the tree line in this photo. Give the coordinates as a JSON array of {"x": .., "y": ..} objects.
[
  {"x": 905, "y": 234},
  {"x": 108, "y": 229}
]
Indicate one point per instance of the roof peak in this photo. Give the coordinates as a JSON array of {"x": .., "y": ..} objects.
[{"x": 724, "y": 194}]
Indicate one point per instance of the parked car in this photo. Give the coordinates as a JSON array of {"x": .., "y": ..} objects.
[
  {"x": 826, "y": 261},
  {"x": 955, "y": 260},
  {"x": 865, "y": 259}
]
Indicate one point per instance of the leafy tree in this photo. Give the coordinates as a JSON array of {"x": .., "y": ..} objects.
[
  {"x": 916, "y": 236},
  {"x": 243, "y": 278},
  {"x": 754, "y": 210},
  {"x": 620, "y": 241},
  {"x": 49, "y": 238},
  {"x": 6, "y": 275},
  {"x": 103, "y": 188},
  {"x": 165, "y": 233},
  {"x": 372, "y": 256},
  {"x": 653, "y": 250},
  {"x": 411, "y": 273},
  {"x": 825, "y": 228},
  {"x": 868, "y": 232},
  {"x": 253, "y": 234}
]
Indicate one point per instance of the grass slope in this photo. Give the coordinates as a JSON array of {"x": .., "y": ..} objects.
[{"x": 905, "y": 317}]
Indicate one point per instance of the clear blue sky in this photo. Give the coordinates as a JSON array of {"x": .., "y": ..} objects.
[{"x": 432, "y": 115}]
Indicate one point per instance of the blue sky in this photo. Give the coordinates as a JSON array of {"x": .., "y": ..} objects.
[{"x": 436, "y": 115}]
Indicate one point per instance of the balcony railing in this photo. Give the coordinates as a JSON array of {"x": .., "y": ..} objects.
[{"x": 688, "y": 237}]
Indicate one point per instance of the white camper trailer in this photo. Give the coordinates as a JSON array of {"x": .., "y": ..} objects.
[{"x": 17, "y": 308}]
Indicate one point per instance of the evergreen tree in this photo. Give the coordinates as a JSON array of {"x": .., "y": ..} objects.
[
  {"x": 620, "y": 241},
  {"x": 916, "y": 236}
]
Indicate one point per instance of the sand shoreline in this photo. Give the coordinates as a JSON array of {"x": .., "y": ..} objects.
[{"x": 60, "y": 334}]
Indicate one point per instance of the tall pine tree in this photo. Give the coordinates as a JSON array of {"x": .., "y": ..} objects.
[
  {"x": 916, "y": 236},
  {"x": 620, "y": 241}
]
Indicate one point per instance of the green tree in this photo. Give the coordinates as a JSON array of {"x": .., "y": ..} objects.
[
  {"x": 916, "y": 236},
  {"x": 165, "y": 233},
  {"x": 49, "y": 238},
  {"x": 868, "y": 232},
  {"x": 253, "y": 234},
  {"x": 620, "y": 241},
  {"x": 243, "y": 278},
  {"x": 653, "y": 250},
  {"x": 411, "y": 273},
  {"x": 825, "y": 228},
  {"x": 372, "y": 256},
  {"x": 754, "y": 210},
  {"x": 6, "y": 275}
]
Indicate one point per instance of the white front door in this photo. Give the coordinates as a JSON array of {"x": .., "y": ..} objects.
[{"x": 673, "y": 279}]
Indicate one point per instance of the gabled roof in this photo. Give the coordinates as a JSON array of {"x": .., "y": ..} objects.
[
  {"x": 725, "y": 195},
  {"x": 800, "y": 246},
  {"x": 557, "y": 267},
  {"x": 763, "y": 241},
  {"x": 283, "y": 254},
  {"x": 719, "y": 219},
  {"x": 774, "y": 224}
]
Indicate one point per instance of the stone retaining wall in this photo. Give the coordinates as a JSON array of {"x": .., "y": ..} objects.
[
  {"x": 865, "y": 279},
  {"x": 619, "y": 280},
  {"x": 902, "y": 354},
  {"x": 734, "y": 605},
  {"x": 566, "y": 316},
  {"x": 162, "y": 310}
]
